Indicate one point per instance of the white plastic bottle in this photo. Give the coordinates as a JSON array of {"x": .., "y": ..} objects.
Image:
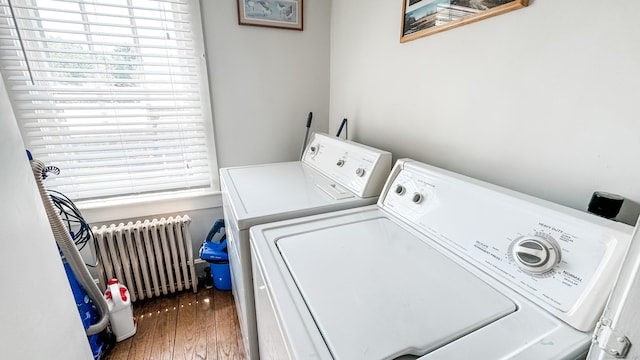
[{"x": 120, "y": 312}]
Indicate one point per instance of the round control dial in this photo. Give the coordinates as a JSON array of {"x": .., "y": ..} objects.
[
  {"x": 536, "y": 254},
  {"x": 313, "y": 150}
]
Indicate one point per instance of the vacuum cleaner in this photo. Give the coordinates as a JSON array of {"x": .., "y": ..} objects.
[{"x": 80, "y": 279}]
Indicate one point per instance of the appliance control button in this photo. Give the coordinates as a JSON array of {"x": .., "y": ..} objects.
[
  {"x": 536, "y": 254},
  {"x": 340, "y": 163},
  {"x": 417, "y": 198},
  {"x": 360, "y": 172},
  {"x": 400, "y": 190}
]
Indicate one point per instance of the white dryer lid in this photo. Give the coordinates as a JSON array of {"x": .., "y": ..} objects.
[
  {"x": 272, "y": 192},
  {"x": 354, "y": 281}
]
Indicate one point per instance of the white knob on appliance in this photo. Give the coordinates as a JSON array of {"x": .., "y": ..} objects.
[
  {"x": 536, "y": 254},
  {"x": 360, "y": 172},
  {"x": 313, "y": 150}
]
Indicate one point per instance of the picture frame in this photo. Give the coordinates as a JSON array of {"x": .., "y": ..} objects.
[
  {"x": 282, "y": 14},
  {"x": 426, "y": 17}
]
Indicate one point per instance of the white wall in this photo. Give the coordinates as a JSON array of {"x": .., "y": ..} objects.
[
  {"x": 39, "y": 316},
  {"x": 542, "y": 100},
  {"x": 264, "y": 82}
]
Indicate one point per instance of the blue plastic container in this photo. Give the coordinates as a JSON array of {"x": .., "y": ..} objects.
[{"x": 215, "y": 253}]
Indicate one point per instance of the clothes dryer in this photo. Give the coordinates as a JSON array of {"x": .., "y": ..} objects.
[
  {"x": 443, "y": 267},
  {"x": 333, "y": 174}
]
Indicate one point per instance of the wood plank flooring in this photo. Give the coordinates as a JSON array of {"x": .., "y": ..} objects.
[{"x": 184, "y": 326}]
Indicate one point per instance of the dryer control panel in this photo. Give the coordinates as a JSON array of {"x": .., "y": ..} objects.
[
  {"x": 356, "y": 167},
  {"x": 563, "y": 259}
]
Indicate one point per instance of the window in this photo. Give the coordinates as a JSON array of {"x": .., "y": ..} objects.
[{"x": 113, "y": 92}]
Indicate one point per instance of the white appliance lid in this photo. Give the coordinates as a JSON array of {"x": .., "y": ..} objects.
[
  {"x": 265, "y": 193},
  {"x": 354, "y": 281}
]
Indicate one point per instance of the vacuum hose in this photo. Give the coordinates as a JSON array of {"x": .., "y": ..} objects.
[{"x": 71, "y": 253}]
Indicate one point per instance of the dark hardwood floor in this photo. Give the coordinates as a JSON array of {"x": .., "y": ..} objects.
[{"x": 184, "y": 326}]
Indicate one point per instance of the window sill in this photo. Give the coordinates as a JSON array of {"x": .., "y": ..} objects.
[{"x": 142, "y": 207}]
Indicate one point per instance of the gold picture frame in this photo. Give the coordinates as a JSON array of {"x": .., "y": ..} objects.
[
  {"x": 426, "y": 17},
  {"x": 282, "y": 14}
]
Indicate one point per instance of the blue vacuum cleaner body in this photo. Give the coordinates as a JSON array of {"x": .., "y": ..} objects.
[
  {"x": 88, "y": 313},
  {"x": 214, "y": 251}
]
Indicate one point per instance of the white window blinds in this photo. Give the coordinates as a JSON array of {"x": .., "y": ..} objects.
[{"x": 113, "y": 92}]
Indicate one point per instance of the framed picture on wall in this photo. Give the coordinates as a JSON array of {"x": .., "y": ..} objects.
[
  {"x": 425, "y": 17},
  {"x": 283, "y": 14}
]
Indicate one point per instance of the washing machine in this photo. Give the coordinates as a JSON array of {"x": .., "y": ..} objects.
[
  {"x": 442, "y": 267},
  {"x": 333, "y": 174}
]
